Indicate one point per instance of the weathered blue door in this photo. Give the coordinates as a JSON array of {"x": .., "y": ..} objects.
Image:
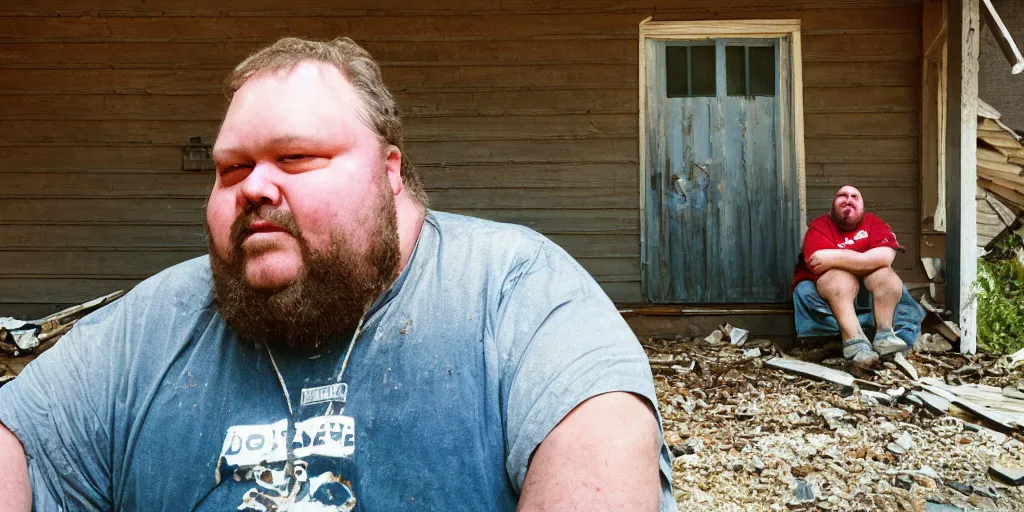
[{"x": 721, "y": 204}]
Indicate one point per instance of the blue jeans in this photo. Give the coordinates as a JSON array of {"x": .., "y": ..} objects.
[{"x": 814, "y": 316}]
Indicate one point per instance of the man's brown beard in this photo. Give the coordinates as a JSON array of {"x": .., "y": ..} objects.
[
  {"x": 843, "y": 225},
  {"x": 335, "y": 289}
]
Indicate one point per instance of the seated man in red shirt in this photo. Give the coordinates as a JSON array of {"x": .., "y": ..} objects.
[{"x": 844, "y": 282}]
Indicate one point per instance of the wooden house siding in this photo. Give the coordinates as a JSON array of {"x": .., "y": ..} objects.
[{"x": 522, "y": 111}]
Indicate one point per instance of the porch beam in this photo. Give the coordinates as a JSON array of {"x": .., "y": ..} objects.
[
  {"x": 1003, "y": 37},
  {"x": 961, "y": 161}
]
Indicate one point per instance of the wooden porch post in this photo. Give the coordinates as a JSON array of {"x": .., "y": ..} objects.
[{"x": 961, "y": 171}]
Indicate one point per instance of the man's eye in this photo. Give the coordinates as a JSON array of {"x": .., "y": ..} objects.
[
  {"x": 235, "y": 167},
  {"x": 290, "y": 159}
]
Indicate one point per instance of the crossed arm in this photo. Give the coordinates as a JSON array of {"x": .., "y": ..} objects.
[{"x": 857, "y": 263}]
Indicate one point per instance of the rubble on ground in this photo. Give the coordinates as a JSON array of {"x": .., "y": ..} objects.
[
  {"x": 21, "y": 341},
  {"x": 821, "y": 435}
]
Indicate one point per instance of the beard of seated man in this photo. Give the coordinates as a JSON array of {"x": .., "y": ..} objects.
[
  {"x": 847, "y": 212},
  {"x": 334, "y": 291}
]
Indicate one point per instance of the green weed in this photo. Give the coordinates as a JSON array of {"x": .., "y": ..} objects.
[{"x": 1000, "y": 294}]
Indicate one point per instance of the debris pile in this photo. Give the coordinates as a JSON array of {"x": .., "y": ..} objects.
[
  {"x": 795, "y": 429},
  {"x": 22, "y": 341},
  {"x": 1000, "y": 195}
]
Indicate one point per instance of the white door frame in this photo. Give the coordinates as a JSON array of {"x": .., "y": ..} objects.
[{"x": 733, "y": 29}]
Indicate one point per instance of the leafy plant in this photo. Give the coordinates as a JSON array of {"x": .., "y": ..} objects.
[{"x": 1000, "y": 294}]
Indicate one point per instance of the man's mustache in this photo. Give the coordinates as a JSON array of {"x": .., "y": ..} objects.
[{"x": 252, "y": 213}]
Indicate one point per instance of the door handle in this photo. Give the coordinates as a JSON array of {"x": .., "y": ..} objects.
[{"x": 703, "y": 169}]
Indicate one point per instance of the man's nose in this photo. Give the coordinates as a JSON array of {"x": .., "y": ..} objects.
[{"x": 260, "y": 186}]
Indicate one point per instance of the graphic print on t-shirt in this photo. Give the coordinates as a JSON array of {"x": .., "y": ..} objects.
[
  {"x": 257, "y": 454},
  {"x": 862, "y": 234}
]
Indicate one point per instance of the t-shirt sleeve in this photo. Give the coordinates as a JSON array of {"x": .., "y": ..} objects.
[
  {"x": 564, "y": 342},
  {"x": 883, "y": 236},
  {"x": 57, "y": 408},
  {"x": 815, "y": 240}
]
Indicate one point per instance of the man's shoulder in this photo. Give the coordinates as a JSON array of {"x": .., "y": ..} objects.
[
  {"x": 188, "y": 277},
  {"x": 822, "y": 221},
  {"x": 824, "y": 225},
  {"x": 453, "y": 223},
  {"x": 495, "y": 246},
  {"x": 871, "y": 221},
  {"x": 187, "y": 284},
  {"x": 486, "y": 235}
]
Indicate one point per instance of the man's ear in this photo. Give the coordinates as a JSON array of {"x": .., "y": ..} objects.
[{"x": 393, "y": 167}]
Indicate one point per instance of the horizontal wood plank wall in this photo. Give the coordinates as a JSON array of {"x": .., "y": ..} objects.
[{"x": 521, "y": 111}]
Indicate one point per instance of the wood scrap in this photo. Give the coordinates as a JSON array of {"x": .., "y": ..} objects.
[
  {"x": 999, "y": 139},
  {"x": 987, "y": 111},
  {"x": 985, "y": 401},
  {"x": 1000, "y": 167},
  {"x": 905, "y": 366},
  {"x": 24, "y": 340},
  {"x": 933, "y": 402},
  {"x": 991, "y": 155},
  {"x": 1004, "y": 422},
  {"x": 815, "y": 371},
  {"x": 1004, "y": 192},
  {"x": 1002, "y": 35},
  {"x": 1003, "y": 211},
  {"x": 1012, "y": 178},
  {"x": 1012, "y": 476}
]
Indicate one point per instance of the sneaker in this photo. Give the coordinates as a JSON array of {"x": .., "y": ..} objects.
[
  {"x": 859, "y": 351},
  {"x": 887, "y": 343}
]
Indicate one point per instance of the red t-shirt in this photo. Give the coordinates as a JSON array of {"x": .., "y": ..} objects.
[{"x": 822, "y": 233}]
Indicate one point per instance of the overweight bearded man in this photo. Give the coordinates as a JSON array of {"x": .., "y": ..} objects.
[
  {"x": 844, "y": 284},
  {"x": 342, "y": 347}
]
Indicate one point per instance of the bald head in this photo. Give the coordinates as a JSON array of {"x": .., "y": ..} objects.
[{"x": 847, "y": 208}]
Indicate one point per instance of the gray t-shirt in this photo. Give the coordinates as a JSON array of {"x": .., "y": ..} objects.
[{"x": 491, "y": 335}]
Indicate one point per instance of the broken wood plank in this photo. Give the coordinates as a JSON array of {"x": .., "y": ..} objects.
[
  {"x": 984, "y": 402},
  {"x": 905, "y": 366},
  {"x": 936, "y": 390},
  {"x": 1002, "y": 35},
  {"x": 1002, "y": 174},
  {"x": 1011, "y": 190},
  {"x": 987, "y": 111},
  {"x": 991, "y": 155},
  {"x": 814, "y": 371},
  {"x": 999, "y": 140},
  {"x": 933, "y": 402},
  {"x": 1003, "y": 421},
  {"x": 54, "y": 320},
  {"x": 1003, "y": 211},
  {"x": 1012, "y": 476},
  {"x": 1012, "y": 392},
  {"x": 1001, "y": 167},
  {"x": 1004, "y": 192},
  {"x": 882, "y": 398}
]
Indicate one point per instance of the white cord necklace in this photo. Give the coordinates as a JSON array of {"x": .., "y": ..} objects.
[{"x": 289, "y": 450}]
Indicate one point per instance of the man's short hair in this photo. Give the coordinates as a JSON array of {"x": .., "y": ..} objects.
[{"x": 380, "y": 111}]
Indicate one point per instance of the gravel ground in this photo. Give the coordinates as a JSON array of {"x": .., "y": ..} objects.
[{"x": 748, "y": 437}]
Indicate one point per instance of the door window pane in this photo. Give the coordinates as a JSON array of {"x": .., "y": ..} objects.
[
  {"x": 689, "y": 71},
  {"x": 736, "y": 70},
  {"x": 702, "y": 70},
  {"x": 677, "y": 66},
  {"x": 762, "y": 71}
]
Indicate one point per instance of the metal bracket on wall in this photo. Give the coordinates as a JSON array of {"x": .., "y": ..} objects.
[{"x": 197, "y": 155}]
